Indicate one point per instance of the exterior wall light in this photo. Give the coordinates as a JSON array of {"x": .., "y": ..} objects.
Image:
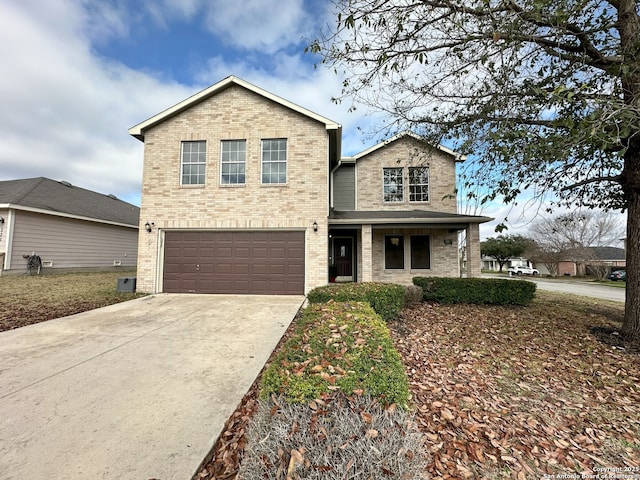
[
  {"x": 147, "y": 227},
  {"x": 315, "y": 226}
]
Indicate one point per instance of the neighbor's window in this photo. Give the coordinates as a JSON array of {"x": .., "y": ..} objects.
[
  {"x": 233, "y": 157},
  {"x": 394, "y": 252},
  {"x": 392, "y": 184},
  {"x": 274, "y": 160},
  {"x": 420, "y": 252},
  {"x": 193, "y": 162},
  {"x": 419, "y": 184}
]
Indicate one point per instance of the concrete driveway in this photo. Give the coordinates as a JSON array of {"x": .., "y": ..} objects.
[{"x": 137, "y": 390}]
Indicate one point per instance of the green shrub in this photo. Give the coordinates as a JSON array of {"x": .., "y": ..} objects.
[
  {"x": 476, "y": 290},
  {"x": 343, "y": 347},
  {"x": 386, "y": 299}
]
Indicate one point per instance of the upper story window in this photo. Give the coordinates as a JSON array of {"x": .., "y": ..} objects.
[
  {"x": 233, "y": 162},
  {"x": 393, "y": 188},
  {"x": 419, "y": 184},
  {"x": 193, "y": 162},
  {"x": 274, "y": 161}
]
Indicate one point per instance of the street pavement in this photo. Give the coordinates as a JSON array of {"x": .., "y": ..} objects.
[{"x": 577, "y": 287}]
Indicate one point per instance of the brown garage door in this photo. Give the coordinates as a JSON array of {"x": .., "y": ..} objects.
[{"x": 234, "y": 262}]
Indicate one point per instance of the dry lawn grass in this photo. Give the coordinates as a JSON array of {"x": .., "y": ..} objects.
[{"x": 27, "y": 299}]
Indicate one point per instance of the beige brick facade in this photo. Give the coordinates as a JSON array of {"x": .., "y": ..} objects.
[
  {"x": 236, "y": 110},
  {"x": 232, "y": 114},
  {"x": 404, "y": 153}
]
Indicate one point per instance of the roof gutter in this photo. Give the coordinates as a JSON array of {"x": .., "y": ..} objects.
[{"x": 391, "y": 220}]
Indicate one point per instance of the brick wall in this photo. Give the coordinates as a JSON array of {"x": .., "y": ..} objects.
[
  {"x": 406, "y": 152},
  {"x": 233, "y": 114},
  {"x": 444, "y": 256}
]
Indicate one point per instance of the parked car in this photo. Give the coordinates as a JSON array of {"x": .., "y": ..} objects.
[
  {"x": 523, "y": 271},
  {"x": 618, "y": 275}
]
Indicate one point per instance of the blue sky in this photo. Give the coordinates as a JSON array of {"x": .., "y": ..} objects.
[{"x": 76, "y": 74}]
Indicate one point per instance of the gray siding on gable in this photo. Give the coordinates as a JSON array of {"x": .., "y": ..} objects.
[
  {"x": 344, "y": 188},
  {"x": 71, "y": 243}
]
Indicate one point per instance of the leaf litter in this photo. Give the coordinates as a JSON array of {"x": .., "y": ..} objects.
[{"x": 505, "y": 392}]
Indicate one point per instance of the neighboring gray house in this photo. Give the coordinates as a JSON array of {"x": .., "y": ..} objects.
[{"x": 67, "y": 226}]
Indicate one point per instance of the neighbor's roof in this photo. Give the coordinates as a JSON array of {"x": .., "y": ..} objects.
[
  {"x": 609, "y": 253},
  {"x": 43, "y": 195},
  {"x": 138, "y": 130},
  {"x": 458, "y": 157},
  {"x": 386, "y": 217}
]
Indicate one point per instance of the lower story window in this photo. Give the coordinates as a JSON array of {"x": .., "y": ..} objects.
[
  {"x": 394, "y": 252},
  {"x": 420, "y": 252}
]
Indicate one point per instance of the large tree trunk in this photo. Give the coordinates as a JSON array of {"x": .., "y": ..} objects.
[
  {"x": 631, "y": 325},
  {"x": 631, "y": 186},
  {"x": 629, "y": 27}
]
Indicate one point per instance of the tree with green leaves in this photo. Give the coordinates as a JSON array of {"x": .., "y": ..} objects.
[
  {"x": 546, "y": 94},
  {"x": 504, "y": 247}
]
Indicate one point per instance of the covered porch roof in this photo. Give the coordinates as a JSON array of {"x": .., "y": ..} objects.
[{"x": 403, "y": 218}]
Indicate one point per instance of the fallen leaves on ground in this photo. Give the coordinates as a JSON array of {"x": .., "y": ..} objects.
[
  {"x": 517, "y": 392},
  {"x": 507, "y": 392}
]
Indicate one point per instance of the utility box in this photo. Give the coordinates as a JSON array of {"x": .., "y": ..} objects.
[{"x": 127, "y": 284}]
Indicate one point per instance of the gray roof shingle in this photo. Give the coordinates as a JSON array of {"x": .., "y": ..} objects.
[{"x": 62, "y": 197}]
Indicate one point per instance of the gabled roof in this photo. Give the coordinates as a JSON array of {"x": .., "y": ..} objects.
[
  {"x": 457, "y": 156},
  {"x": 138, "y": 130},
  {"x": 44, "y": 195}
]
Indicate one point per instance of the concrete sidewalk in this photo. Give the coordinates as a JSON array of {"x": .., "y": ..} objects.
[{"x": 136, "y": 390}]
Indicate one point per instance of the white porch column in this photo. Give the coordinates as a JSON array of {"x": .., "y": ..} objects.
[{"x": 367, "y": 254}]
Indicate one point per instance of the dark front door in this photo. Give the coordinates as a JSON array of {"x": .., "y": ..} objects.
[{"x": 343, "y": 256}]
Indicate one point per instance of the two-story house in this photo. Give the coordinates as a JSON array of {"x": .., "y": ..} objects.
[{"x": 246, "y": 192}]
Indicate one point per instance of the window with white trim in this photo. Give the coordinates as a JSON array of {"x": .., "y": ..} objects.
[
  {"x": 394, "y": 252},
  {"x": 233, "y": 162},
  {"x": 418, "y": 184},
  {"x": 420, "y": 252},
  {"x": 274, "y": 161},
  {"x": 193, "y": 162},
  {"x": 393, "y": 187}
]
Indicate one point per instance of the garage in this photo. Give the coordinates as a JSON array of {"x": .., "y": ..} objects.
[{"x": 260, "y": 263}]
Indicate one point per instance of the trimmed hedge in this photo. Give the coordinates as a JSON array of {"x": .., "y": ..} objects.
[
  {"x": 343, "y": 347},
  {"x": 386, "y": 299},
  {"x": 476, "y": 290}
]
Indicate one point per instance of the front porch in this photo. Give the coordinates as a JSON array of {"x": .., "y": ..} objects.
[{"x": 397, "y": 246}]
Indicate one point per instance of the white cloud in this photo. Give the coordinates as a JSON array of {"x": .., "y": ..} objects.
[
  {"x": 304, "y": 85},
  {"x": 265, "y": 25},
  {"x": 66, "y": 112}
]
